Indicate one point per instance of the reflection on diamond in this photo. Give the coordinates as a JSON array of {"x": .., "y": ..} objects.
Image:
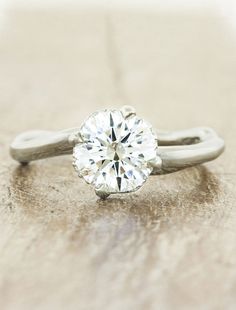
[{"x": 115, "y": 151}]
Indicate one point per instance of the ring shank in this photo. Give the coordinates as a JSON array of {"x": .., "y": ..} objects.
[
  {"x": 186, "y": 148},
  {"x": 177, "y": 149}
]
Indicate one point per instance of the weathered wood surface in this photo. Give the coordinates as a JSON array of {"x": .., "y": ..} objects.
[{"x": 171, "y": 245}]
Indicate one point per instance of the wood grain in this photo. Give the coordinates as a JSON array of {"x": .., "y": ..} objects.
[{"x": 171, "y": 245}]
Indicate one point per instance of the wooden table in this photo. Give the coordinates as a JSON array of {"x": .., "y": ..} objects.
[{"x": 171, "y": 245}]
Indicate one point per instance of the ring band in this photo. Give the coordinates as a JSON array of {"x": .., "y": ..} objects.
[{"x": 130, "y": 139}]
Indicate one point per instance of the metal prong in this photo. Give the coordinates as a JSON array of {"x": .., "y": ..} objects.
[
  {"x": 75, "y": 138},
  {"x": 102, "y": 192},
  {"x": 102, "y": 195},
  {"x": 127, "y": 111},
  {"x": 156, "y": 162}
]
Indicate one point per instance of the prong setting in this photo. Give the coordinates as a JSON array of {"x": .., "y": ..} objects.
[
  {"x": 75, "y": 138},
  {"x": 128, "y": 111},
  {"x": 102, "y": 192},
  {"x": 116, "y": 152},
  {"x": 156, "y": 162}
]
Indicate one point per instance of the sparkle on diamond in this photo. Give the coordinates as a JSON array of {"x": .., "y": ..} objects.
[{"x": 115, "y": 151}]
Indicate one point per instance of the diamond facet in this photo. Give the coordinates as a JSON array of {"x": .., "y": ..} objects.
[{"x": 116, "y": 152}]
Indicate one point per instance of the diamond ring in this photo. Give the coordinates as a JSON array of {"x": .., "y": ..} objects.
[{"x": 116, "y": 151}]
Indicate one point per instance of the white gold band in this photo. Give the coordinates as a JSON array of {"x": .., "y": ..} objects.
[{"x": 177, "y": 149}]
